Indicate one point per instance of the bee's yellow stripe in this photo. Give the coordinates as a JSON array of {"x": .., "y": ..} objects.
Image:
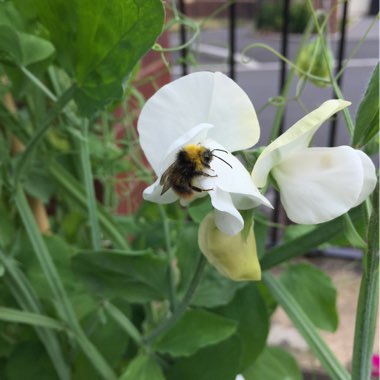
[{"x": 195, "y": 152}]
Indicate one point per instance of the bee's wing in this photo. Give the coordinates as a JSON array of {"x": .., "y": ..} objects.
[{"x": 164, "y": 181}]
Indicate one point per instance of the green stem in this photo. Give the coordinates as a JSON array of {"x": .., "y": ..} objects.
[
  {"x": 346, "y": 114},
  {"x": 305, "y": 327},
  {"x": 352, "y": 234},
  {"x": 170, "y": 257},
  {"x": 124, "y": 322},
  {"x": 357, "y": 46},
  {"x": 34, "y": 319},
  {"x": 306, "y": 242},
  {"x": 25, "y": 296},
  {"x": 289, "y": 62},
  {"x": 367, "y": 308},
  {"x": 53, "y": 113},
  {"x": 89, "y": 187},
  {"x": 38, "y": 83},
  {"x": 64, "y": 307},
  {"x": 169, "y": 322},
  {"x": 285, "y": 91},
  {"x": 75, "y": 191}
]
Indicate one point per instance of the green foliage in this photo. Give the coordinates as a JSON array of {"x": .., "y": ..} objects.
[
  {"x": 143, "y": 367},
  {"x": 311, "y": 60},
  {"x": 274, "y": 364},
  {"x": 270, "y": 16},
  {"x": 249, "y": 310},
  {"x": 220, "y": 361},
  {"x": 99, "y": 52},
  {"x": 22, "y": 49},
  {"x": 367, "y": 116},
  {"x": 109, "y": 296},
  {"x": 29, "y": 361},
  {"x": 196, "y": 329},
  {"x": 135, "y": 276},
  {"x": 315, "y": 293}
]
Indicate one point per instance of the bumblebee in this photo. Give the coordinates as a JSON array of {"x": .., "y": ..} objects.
[{"x": 190, "y": 162}]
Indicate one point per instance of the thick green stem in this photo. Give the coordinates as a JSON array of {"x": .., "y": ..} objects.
[
  {"x": 307, "y": 242},
  {"x": 367, "y": 308},
  {"x": 169, "y": 322}
]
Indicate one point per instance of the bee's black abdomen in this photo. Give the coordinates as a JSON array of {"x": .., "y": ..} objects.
[{"x": 183, "y": 189}]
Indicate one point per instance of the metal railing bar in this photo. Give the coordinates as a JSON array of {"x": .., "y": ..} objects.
[{"x": 340, "y": 57}]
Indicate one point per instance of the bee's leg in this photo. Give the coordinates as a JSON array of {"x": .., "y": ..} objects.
[
  {"x": 198, "y": 189},
  {"x": 204, "y": 174}
]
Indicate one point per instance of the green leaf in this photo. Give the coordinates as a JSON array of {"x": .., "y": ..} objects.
[
  {"x": 196, "y": 329},
  {"x": 22, "y": 49},
  {"x": 214, "y": 289},
  {"x": 18, "y": 316},
  {"x": 367, "y": 117},
  {"x": 39, "y": 184},
  {"x": 99, "y": 42},
  {"x": 315, "y": 293},
  {"x": 29, "y": 361},
  {"x": 249, "y": 310},
  {"x": 187, "y": 255},
  {"x": 199, "y": 209},
  {"x": 220, "y": 361},
  {"x": 138, "y": 278},
  {"x": 274, "y": 364},
  {"x": 143, "y": 367},
  {"x": 10, "y": 16},
  {"x": 108, "y": 337}
]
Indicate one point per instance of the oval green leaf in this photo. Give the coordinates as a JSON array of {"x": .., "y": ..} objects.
[
  {"x": 197, "y": 329},
  {"x": 99, "y": 42},
  {"x": 315, "y": 292},
  {"x": 274, "y": 364}
]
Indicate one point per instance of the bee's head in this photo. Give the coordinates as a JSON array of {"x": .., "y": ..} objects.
[{"x": 207, "y": 156}]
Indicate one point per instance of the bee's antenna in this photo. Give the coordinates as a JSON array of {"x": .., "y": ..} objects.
[
  {"x": 220, "y": 150},
  {"x": 222, "y": 158}
]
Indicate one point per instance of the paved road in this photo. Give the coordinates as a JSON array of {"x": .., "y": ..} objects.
[{"x": 260, "y": 77}]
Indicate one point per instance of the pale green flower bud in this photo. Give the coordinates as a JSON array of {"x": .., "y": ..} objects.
[{"x": 233, "y": 256}]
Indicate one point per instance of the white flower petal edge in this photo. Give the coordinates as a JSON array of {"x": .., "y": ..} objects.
[
  {"x": 295, "y": 138},
  {"x": 197, "y": 98},
  {"x": 320, "y": 184}
]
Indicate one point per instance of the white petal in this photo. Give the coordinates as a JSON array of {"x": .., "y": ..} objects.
[
  {"x": 195, "y": 135},
  {"x": 319, "y": 184},
  {"x": 227, "y": 218},
  {"x": 235, "y": 180},
  {"x": 369, "y": 177},
  {"x": 233, "y": 115},
  {"x": 295, "y": 138},
  {"x": 153, "y": 194},
  {"x": 202, "y": 97}
]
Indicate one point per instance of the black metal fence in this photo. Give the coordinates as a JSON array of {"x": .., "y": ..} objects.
[{"x": 285, "y": 4}]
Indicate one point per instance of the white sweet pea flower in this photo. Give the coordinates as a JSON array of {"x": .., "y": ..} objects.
[
  {"x": 316, "y": 184},
  {"x": 208, "y": 110}
]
